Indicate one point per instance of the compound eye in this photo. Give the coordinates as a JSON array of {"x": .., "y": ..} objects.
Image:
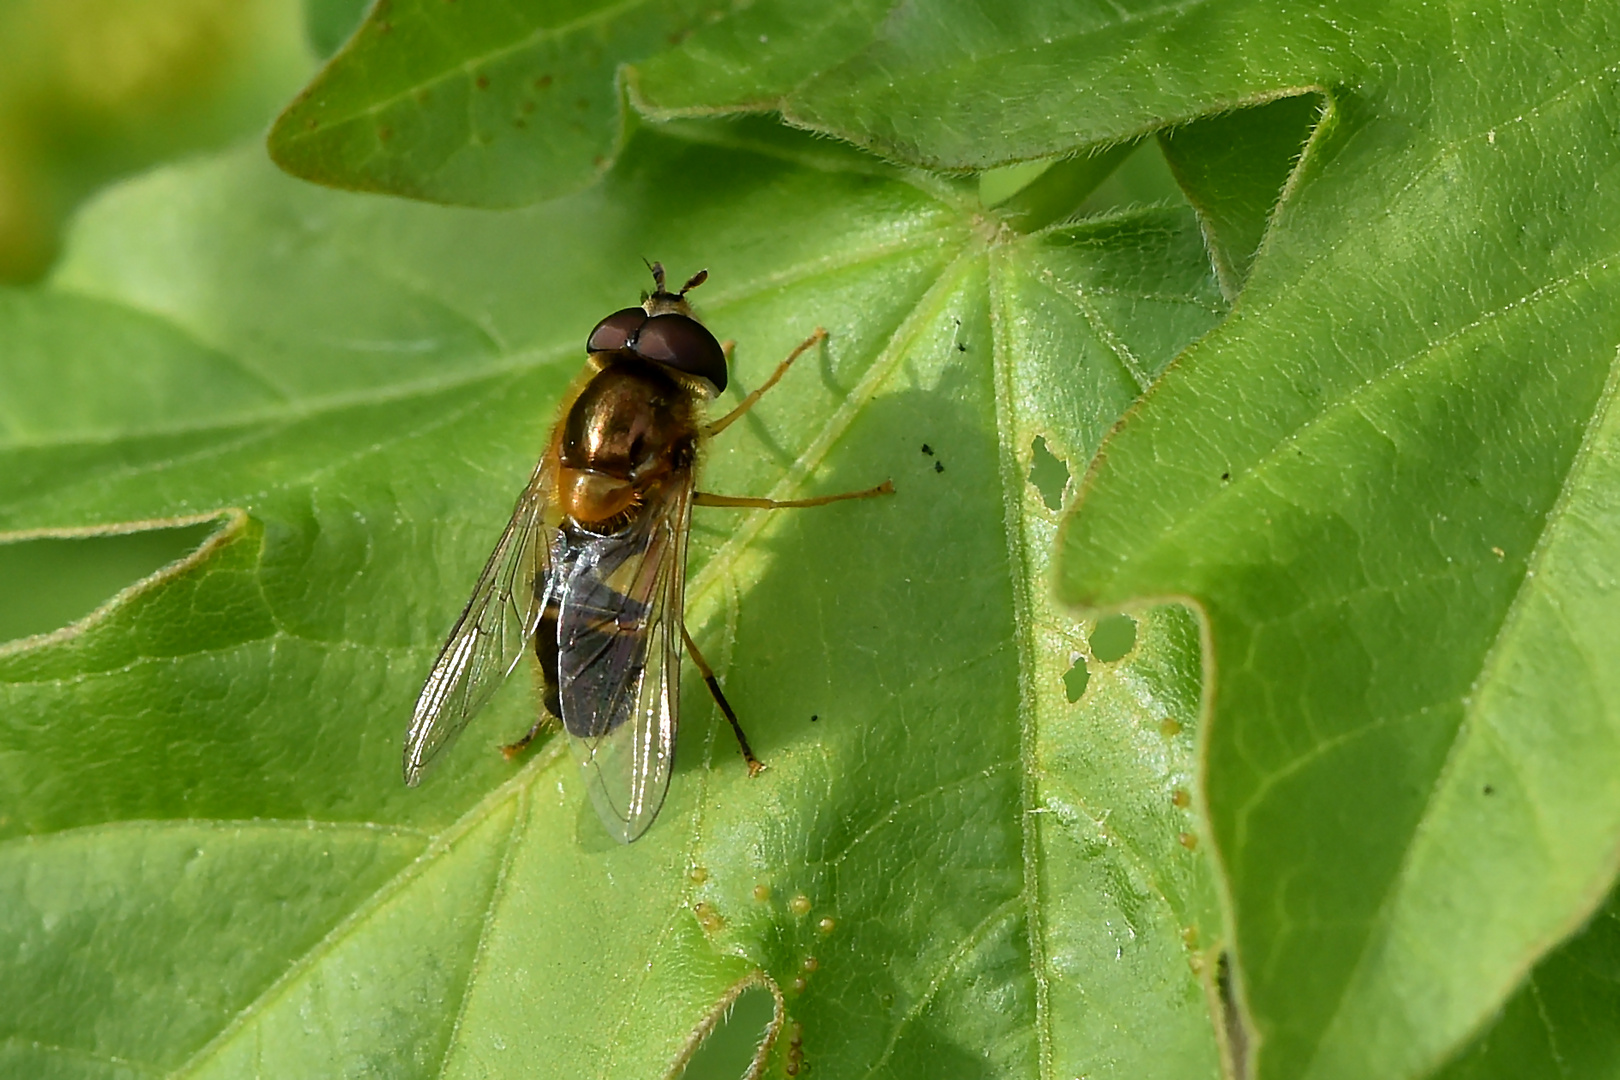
[
  {"x": 685, "y": 345},
  {"x": 616, "y": 331}
]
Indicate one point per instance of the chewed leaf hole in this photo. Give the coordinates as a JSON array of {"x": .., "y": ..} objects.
[
  {"x": 1113, "y": 638},
  {"x": 732, "y": 1047},
  {"x": 1075, "y": 679},
  {"x": 1048, "y": 473},
  {"x": 51, "y": 581}
]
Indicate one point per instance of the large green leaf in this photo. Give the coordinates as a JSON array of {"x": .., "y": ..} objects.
[
  {"x": 1389, "y": 481},
  {"x": 211, "y": 866},
  {"x": 963, "y": 84}
]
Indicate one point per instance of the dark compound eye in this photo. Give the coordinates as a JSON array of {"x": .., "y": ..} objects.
[
  {"x": 685, "y": 345},
  {"x": 616, "y": 331}
]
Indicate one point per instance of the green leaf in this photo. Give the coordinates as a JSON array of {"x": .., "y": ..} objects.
[
  {"x": 1388, "y": 482},
  {"x": 956, "y": 84},
  {"x": 211, "y": 866},
  {"x": 466, "y": 103}
]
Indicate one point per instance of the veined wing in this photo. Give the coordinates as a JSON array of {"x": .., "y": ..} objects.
[
  {"x": 619, "y": 658},
  {"x": 494, "y": 630}
]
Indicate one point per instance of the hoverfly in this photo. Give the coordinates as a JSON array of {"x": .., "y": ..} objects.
[{"x": 590, "y": 572}]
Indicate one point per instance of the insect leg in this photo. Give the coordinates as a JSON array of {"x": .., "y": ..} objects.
[
  {"x": 511, "y": 750},
  {"x": 754, "y": 764},
  {"x": 704, "y": 498},
  {"x": 781, "y": 369},
  {"x": 545, "y": 648}
]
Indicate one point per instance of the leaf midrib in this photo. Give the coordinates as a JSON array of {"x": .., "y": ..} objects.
[
  {"x": 1020, "y": 564},
  {"x": 233, "y": 825}
]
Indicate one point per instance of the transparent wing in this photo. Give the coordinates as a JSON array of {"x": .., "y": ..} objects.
[
  {"x": 619, "y": 659},
  {"x": 493, "y": 632}
]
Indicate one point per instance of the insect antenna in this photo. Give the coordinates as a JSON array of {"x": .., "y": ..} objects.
[
  {"x": 657, "y": 269},
  {"x": 694, "y": 281}
]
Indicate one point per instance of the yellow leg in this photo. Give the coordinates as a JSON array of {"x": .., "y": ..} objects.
[
  {"x": 704, "y": 498},
  {"x": 781, "y": 369}
]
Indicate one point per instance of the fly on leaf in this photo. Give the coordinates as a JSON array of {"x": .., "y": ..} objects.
[{"x": 590, "y": 573}]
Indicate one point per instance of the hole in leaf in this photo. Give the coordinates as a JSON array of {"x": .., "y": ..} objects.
[
  {"x": 1113, "y": 638},
  {"x": 1075, "y": 679},
  {"x": 50, "y": 581},
  {"x": 1049, "y": 473},
  {"x": 729, "y": 1050}
]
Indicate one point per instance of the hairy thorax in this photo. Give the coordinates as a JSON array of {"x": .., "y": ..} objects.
[{"x": 632, "y": 426}]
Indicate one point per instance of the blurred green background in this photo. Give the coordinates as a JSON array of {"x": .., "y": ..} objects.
[{"x": 91, "y": 90}]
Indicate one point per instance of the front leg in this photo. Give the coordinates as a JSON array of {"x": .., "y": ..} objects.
[{"x": 704, "y": 498}]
